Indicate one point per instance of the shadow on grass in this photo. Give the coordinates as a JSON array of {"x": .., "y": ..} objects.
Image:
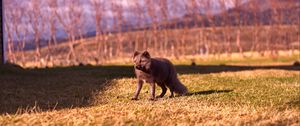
[
  {"x": 206, "y": 69},
  {"x": 208, "y": 92},
  {"x": 294, "y": 103},
  {"x": 56, "y": 88},
  {"x": 59, "y": 88}
]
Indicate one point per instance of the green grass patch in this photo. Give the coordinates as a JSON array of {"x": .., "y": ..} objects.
[{"x": 218, "y": 94}]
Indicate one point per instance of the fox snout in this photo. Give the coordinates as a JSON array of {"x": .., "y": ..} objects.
[{"x": 139, "y": 67}]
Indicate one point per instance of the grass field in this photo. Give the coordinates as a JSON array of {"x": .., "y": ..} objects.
[{"x": 241, "y": 93}]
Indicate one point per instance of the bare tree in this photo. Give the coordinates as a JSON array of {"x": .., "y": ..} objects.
[
  {"x": 151, "y": 11},
  {"x": 199, "y": 23},
  {"x": 9, "y": 32},
  {"x": 209, "y": 44},
  {"x": 176, "y": 8},
  {"x": 71, "y": 21},
  {"x": 226, "y": 27},
  {"x": 98, "y": 7},
  {"x": 119, "y": 20},
  {"x": 276, "y": 36},
  {"x": 237, "y": 4},
  {"x": 37, "y": 25},
  {"x": 164, "y": 10},
  {"x": 52, "y": 21},
  {"x": 256, "y": 26},
  {"x": 273, "y": 25},
  {"x": 20, "y": 30},
  {"x": 139, "y": 13}
]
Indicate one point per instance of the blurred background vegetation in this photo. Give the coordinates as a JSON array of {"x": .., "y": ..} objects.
[{"x": 65, "y": 32}]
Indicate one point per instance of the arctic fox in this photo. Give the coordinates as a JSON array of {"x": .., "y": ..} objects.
[{"x": 156, "y": 70}]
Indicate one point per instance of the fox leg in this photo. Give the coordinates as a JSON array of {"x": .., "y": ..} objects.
[
  {"x": 172, "y": 92},
  {"x": 164, "y": 90},
  {"x": 170, "y": 86},
  {"x": 152, "y": 90},
  {"x": 138, "y": 89}
]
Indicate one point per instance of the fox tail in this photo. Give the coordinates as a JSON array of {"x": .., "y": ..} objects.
[{"x": 179, "y": 88}]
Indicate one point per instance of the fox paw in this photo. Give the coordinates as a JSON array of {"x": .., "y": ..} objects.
[
  {"x": 152, "y": 99},
  {"x": 134, "y": 99},
  {"x": 159, "y": 96}
]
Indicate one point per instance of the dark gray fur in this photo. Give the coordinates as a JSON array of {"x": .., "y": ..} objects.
[{"x": 156, "y": 70}]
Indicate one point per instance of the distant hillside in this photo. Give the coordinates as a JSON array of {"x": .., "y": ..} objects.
[
  {"x": 256, "y": 11},
  {"x": 265, "y": 12}
]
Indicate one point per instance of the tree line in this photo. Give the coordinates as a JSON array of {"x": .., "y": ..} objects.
[{"x": 170, "y": 28}]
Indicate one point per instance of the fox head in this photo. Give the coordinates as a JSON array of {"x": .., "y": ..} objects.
[{"x": 142, "y": 61}]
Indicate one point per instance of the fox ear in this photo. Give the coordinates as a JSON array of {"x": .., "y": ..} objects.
[
  {"x": 136, "y": 53},
  {"x": 146, "y": 54}
]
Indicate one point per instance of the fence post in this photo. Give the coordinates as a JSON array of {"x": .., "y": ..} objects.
[{"x": 1, "y": 34}]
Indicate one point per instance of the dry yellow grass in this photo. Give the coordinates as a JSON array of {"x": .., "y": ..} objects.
[
  {"x": 238, "y": 97},
  {"x": 158, "y": 113}
]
